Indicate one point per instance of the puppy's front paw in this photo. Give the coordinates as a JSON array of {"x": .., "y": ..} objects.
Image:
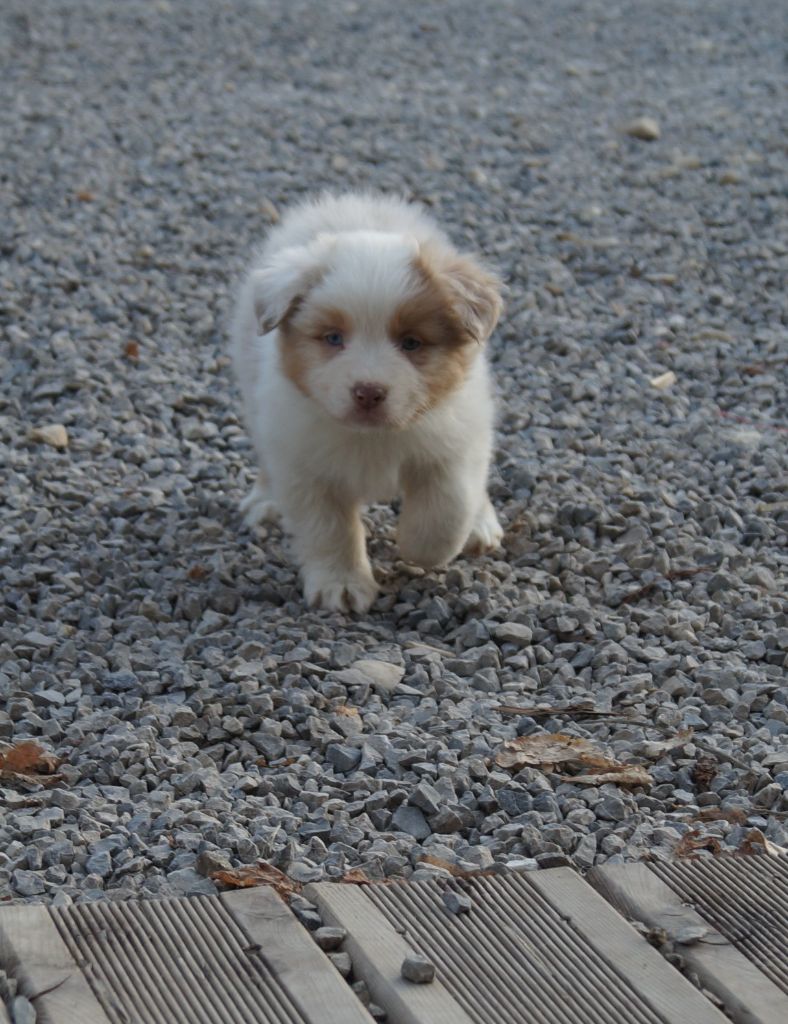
[
  {"x": 339, "y": 592},
  {"x": 425, "y": 551},
  {"x": 486, "y": 534},
  {"x": 257, "y": 507}
]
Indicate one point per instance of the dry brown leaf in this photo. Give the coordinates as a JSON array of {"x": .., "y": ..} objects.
[
  {"x": 29, "y": 762},
  {"x": 54, "y": 434},
  {"x": 692, "y": 841},
  {"x": 755, "y": 842},
  {"x": 550, "y": 749},
  {"x": 29, "y": 758},
  {"x": 355, "y": 877},
  {"x": 257, "y": 874},
  {"x": 452, "y": 869},
  {"x": 704, "y": 771},
  {"x": 17, "y": 778},
  {"x": 280, "y": 762},
  {"x": 627, "y": 775},
  {"x": 736, "y": 816},
  {"x": 131, "y": 350},
  {"x": 439, "y": 862}
]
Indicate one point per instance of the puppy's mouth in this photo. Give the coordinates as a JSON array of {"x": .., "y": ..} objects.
[{"x": 370, "y": 419}]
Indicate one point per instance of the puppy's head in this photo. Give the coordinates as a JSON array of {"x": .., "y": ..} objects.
[{"x": 374, "y": 327}]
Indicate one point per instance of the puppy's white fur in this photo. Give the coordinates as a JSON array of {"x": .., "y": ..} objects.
[{"x": 352, "y": 267}]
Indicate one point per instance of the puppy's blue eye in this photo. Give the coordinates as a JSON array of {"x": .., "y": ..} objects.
[
  {"x": 410, "y": 344},
  {"x": 334, "y": 339}
]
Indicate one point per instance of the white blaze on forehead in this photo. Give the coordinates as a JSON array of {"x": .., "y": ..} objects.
[{"x": 368, "y": 276}]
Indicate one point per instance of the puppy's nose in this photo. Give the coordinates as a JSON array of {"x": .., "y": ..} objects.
[{"x": 367, "y": 396}]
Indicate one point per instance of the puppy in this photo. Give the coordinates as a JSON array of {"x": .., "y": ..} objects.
[{"x": 358, "y": 343}]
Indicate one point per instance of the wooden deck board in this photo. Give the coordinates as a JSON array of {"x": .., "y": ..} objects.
[
  {"x": 536, "y": 948},
  {"x": 309, "y": 976},
  {"x": 745, "y": 898},
  {"x": 747, "y": 994},
  {"x": 671, "y": 994},
  {"x": 377, "y": 952},
  {"x": 32, "y": 951},
  {"x": 238, "y": 959}
]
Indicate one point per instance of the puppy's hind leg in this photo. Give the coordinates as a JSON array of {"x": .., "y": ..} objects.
[{"x": 257, "y": 507}]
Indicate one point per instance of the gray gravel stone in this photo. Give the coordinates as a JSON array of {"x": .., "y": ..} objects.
[
  {"x": 187, "y": 882},
  {"x": 418, "y": 969},
  {"x": 162, "y": 651},
  {"x": 456, "y": 902},
  {"x": 28, "y": 883},
  {"x": 343, "y": 758},
  {"x": 446, "y": 821},
  {"x": 99, "y": 863},
  {"x": 342, "y": 963},
  {"x": 329, "y": 939},
  {"x": 212, "y": 860},
  {"x": 411, "y": 820},
  {"x": 23, "y": 1011},
  {"x": 611, "y": 808},
  {"x": 513, "y": 633},
  {"x": 427, "y": 798}
]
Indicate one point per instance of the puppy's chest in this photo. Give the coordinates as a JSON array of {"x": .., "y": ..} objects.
[{"x": 370, "y": 471}]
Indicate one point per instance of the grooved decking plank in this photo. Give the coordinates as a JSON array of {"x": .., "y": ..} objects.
[
  {"x": 674, "y": 997},
  {"x": 49, "y": 975},
  {"x": 746, "y": 898},
  {"x": 377, "y": 952},
  {"x": 314, "y": 984},
  {"x": 539, "y": 948},
  {"x": 746, "y": 992}
]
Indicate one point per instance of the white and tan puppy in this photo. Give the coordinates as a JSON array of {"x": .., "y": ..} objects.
[{"x": 358, "y": 342}]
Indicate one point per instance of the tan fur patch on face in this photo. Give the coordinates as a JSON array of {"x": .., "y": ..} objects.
[
  {"x": 447, "y": 349},
  {"x": 471, "y": 292},
  {"x": 302, "y": 345}
]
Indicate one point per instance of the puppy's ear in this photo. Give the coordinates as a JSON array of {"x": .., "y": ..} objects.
[
  {"x": 473, "y": 293},
  {"x": 283, "y": 281}
]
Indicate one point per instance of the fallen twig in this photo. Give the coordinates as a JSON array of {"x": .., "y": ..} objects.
[{"x": 581, "y": 710}]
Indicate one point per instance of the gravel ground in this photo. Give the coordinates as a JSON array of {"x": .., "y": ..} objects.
[{"x": 205, "y": 718}]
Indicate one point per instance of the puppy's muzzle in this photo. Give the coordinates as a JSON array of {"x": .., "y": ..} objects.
[{"x": 368, "y": 397}]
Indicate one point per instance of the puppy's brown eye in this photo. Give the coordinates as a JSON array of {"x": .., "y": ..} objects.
[
  {"x": 334, "y": 339},
  {"x": 410, "y": 344}
]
